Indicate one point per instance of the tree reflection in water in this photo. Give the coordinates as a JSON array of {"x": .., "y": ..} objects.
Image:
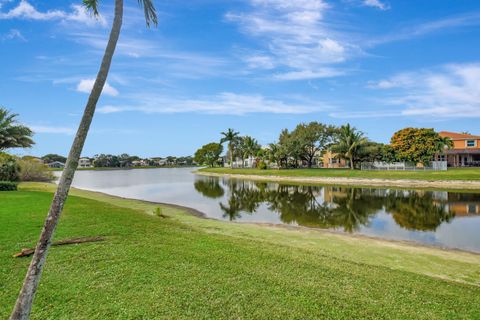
[
  {"x": 329, "y": 207},
  {"x": 209, "y": 187}
]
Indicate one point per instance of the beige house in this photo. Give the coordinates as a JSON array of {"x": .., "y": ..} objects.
[{"x": 331, "y": 160}]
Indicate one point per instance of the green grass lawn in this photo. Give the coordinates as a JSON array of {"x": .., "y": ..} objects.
[
  {"x": 451, "y": 174},
  {"x": 186, "y": 267}
]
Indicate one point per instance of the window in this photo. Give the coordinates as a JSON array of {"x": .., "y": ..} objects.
[
  {"x": 472, "y": 209},
  {"x": 470, "y": 143}
]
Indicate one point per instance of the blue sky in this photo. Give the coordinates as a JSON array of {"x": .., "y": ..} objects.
[{"x": 254, "y": 65}]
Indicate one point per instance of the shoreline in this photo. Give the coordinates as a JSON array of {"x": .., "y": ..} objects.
[
  {"x": 470, "y": 185},
  {"x": 352, "y": 236}
]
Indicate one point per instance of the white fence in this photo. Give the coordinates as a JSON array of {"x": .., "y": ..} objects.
[{"x": 403, "y": 166}]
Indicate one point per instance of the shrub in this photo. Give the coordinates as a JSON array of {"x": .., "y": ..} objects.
[
  {"x": 9, "y": 169},
  {"x": 8, "y": 186},
  {"x": 33, "y": 170},
  {"x": 262, "y": 165}
]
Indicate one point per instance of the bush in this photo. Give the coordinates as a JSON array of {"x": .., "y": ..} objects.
[
  {"x": 9, "y": 169},
  {"x": 8, "y": 186},
  {"x": 33, "y": 170},
  {"x": 262, "y": 165}
]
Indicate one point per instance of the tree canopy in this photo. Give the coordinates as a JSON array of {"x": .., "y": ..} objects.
[
  {"x": 51, "y": 157},
  {"x": 13, "y": 134},
  {"x": 209, "y": 154},
  {"x": 350, "y": 143},
  {"x": 418, "y": 145},
  {"x": 312, "y": 138}
]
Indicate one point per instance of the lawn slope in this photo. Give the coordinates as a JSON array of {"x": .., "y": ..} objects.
[{"x": 186, "y": 267}]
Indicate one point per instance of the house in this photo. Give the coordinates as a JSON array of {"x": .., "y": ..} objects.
[
  {"x": 465, "y": 151},
  {"x": 137, "y": 163},
  {"x": 56, "y": 165},
  {"x": 331, "y": 160},
  {"x": 84, "y": 163},
  {"x": 162, "y": 162}
]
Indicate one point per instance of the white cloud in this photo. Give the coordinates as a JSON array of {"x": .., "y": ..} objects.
[
  {"x": 223, "y": 103},
  {"x": 295, "y": 37},
  {"x": 24, "y": 10},
  {"x": 376, "y": 4},
  {"x": 13, "y": 34},
  {"x": 52, "y": 130},
  {"x": 81, "y": 15},
  {"x": 451, "y": 91},
  {"x": 86, "y": 86},
  {"x": 309, "y": 74},
  {"x": 431, "y": 27}
]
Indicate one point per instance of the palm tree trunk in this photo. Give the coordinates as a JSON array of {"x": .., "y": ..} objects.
[
  {"x": 24, "y": 302},
  {"x": 351, "y": 163},
  {"x": 231, "y": 156}
]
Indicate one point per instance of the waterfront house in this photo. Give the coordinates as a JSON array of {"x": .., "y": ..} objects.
[
  {"x": 84, "y": 163},
  {"x": 331, "y": 160},
  {"x": 56, "y": 165},
  {"x": 465, "y": 151}
]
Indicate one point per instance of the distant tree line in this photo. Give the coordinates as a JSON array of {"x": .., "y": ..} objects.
[{"x": 305, "y": 145}]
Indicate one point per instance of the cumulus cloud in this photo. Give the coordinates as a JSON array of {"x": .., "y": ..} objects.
[
  {"x": 294, "y": 37},
  {"x": 450, "y": 91},
  {"x": 223, "y": 103},
  {"x": 86, "y": 85},
  {"x": 24, "y": 10}
]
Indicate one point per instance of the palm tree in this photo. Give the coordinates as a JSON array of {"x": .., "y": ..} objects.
[
  {"x": 12, "y": 134},
  {"x": 24, "y": 302},
  {"x": 232, "y": 137},
  {"x": 350, "y": 142},
  {"x": 251, "y": 147}
]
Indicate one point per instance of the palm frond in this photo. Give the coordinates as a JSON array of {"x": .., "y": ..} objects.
[
  {"x": 91, "y": 5},
  {"x": 150, "y": 12}
]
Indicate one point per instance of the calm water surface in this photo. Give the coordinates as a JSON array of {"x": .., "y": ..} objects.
[{"x": 440, "y": 218}]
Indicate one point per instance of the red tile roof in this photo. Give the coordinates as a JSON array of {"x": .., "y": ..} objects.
[{"x": 459, "y": 136}]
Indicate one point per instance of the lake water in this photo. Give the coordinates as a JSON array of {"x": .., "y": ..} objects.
[{"x": 441, "y": 218}]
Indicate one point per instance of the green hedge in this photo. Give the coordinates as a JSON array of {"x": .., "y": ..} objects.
[{"x": 8, "y": 186}]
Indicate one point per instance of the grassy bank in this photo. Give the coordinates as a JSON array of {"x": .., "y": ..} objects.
[
  {"x": 472, "y": 174},
  {"x": 186, "y": 267}
]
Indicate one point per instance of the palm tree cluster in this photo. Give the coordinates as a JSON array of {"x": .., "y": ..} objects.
[
  {"x": 302, "y": 146},
  {"x": 240, "y": 147},
  {"x": 308, "y": 142}
]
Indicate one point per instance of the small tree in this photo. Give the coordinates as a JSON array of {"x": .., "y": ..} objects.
[
  {"x": 418, "y": 145},
  {"x": 312, "y": 138},
  {"x": 9, "y": 168},
  {"x": 209, "y": 154},
  {"x": 13, "y": 134},
  {"x": 289, "y": 148}
]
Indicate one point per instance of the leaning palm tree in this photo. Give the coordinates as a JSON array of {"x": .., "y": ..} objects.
[
  {"x": 232, "y": 137},
  {"x": 350, "y": 142},
  {"x": 24, "y": 302},
  {"x": 13, "y": 134}
]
